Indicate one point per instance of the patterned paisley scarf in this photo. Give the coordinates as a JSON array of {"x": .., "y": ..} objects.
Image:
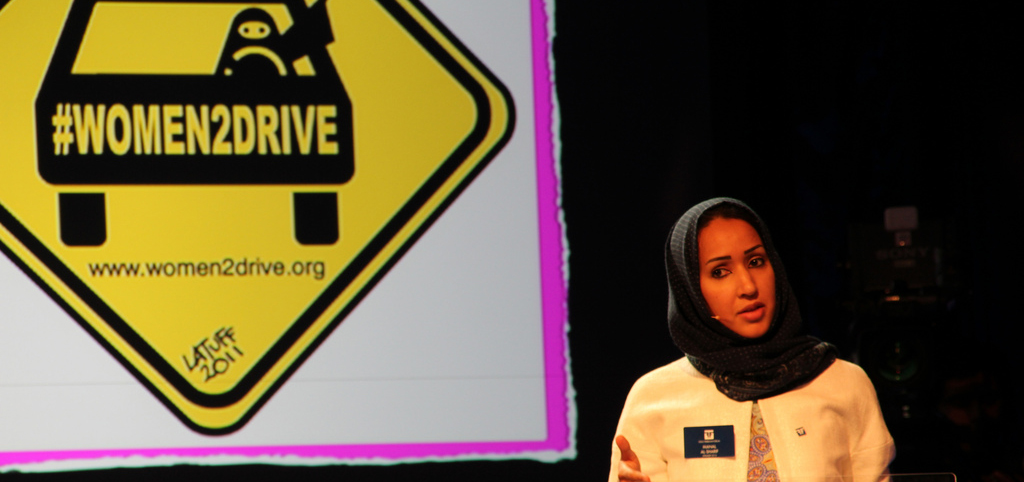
[{"x": 742, "y": 369}]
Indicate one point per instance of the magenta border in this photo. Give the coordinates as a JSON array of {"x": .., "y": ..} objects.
[{"x": 554, "y": 291}]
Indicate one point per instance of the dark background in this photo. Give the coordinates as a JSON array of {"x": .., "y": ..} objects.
[{"x": 819, "y": 115}]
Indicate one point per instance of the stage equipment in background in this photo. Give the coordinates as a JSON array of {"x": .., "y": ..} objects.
[{"x": 901, "y": 289}]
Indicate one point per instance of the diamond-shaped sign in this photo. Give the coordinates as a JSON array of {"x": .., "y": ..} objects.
[{"x": 209, "y": 188}]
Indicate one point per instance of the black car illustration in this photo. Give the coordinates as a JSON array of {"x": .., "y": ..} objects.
[{"x": 273, "y": 111}]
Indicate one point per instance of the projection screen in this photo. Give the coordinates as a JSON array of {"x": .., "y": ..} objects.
[{"x": 295, "y": 231}]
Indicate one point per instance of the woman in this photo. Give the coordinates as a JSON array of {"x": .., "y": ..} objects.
[{"x": 753, "y": 399}]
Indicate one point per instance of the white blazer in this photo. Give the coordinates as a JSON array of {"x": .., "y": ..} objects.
[{"x": 828, "y": 429}]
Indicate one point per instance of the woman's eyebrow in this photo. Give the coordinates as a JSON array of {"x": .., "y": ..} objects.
[
  {"x": 723, "y": 258},
  {"x": 720, "y": 258}
]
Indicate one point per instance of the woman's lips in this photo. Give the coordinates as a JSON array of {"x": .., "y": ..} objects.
[{"x": 752, "y": 313}]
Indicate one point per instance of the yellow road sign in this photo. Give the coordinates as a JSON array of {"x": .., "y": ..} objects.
[{"x": 209, "y": 188}]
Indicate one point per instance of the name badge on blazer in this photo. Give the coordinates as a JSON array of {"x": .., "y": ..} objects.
[{"x": 703, "y": 442}]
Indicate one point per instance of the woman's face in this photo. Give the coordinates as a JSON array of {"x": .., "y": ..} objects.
[{"x": 736, "y": 278}]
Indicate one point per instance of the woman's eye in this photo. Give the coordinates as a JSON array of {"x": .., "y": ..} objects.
[
  {"x": 757, "y": 262},
  {"x": 719, "y": 272}
]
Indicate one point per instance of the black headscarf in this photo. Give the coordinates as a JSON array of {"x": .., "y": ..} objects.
[{"x": 742, "y": 368}]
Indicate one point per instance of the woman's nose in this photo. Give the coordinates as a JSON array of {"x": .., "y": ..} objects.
[{"x": 747, "y": 286}]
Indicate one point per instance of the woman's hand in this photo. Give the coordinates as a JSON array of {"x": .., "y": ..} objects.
[{"x": 629, "y": 463}]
